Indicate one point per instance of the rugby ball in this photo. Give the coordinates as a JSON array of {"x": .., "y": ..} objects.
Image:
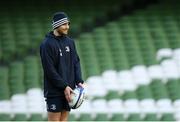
[{"x": 77, "y": 97}]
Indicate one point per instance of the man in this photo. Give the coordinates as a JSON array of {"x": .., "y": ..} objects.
[{"x": 61, "y": 66}]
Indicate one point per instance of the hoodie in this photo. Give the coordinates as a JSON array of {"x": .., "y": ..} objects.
[{"x": 61, "y": 64}]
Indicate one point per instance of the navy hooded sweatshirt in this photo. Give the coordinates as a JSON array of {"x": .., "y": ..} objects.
[{"x": 61, "y": 64}]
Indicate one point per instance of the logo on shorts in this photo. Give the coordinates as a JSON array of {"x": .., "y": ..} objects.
[{"x": 53, "y": 107}]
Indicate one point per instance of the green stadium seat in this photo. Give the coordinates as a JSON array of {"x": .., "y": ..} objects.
[
  {"x": 4, "y": 85},
  {"x": 32, "y": 72},
  {"x": 72, "y": 117},
  {"x": 16, "y": 78},
  {"x": 173, "y": 86},
  {"x": 8, "y": 49},
  {"x": 151, "y": 117},
  {"x": 144, "y": 92},
  {"x": 158, "y": 89},
  {"x": 101, "y": 117},
  {"x": 134, "y": 117},
  {"x": 20, "y": 117},
  {"x": 167, "y": 117},
  {"x": 85, "y": 117},
  {"x": 112, "y": 95},
  {"x": 36, "y": 117},
  {"x": 117, "y": 117},
  {"x": 0, "y": 50},
  {"x": 128, "y": 95},
  {"x": 133, "y": 52},
  {"x": 5, "y": 117}
]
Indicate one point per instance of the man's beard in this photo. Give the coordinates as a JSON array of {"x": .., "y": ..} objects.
[{"x": 61, "y": 32}]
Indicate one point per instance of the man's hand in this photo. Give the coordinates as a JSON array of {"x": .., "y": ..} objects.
[
  {"x": 68, "y": 91},
  {"x": 81, "y": 85}
]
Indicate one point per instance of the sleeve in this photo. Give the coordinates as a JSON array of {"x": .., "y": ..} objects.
[
  {"x": 48, "y": 63},
  {"x": 77, "y": 67}
]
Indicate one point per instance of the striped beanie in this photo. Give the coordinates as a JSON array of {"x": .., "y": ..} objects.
[{"x": 59, "y": 19}]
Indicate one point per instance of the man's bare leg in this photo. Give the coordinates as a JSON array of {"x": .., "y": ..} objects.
[
  {"x": 54, "y": 116},
  {"x": 64, "y": 116}
]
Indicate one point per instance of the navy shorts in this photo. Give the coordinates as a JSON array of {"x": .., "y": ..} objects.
[{"x": 57, "y": 104}]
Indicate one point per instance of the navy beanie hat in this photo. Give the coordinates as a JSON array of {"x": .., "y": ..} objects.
[{"x": 59, "y": 19}]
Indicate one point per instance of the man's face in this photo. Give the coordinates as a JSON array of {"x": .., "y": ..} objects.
[{"x": 63, "y": 29}]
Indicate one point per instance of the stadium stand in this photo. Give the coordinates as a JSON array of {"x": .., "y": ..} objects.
[
  {"x": 23, "y": 28},
  {"x": 131, "y": 64}
]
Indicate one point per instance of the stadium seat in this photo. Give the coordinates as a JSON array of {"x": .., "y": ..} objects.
[
  {"x": 167, "y": 117},
  {"x": 19, "y": 107},
  {"x": 72, "y": 117},
  {"x": 5, "y": 111},
  {"x": 100, "y": 110},
  {"x": 158, "y": 89},
  {"x": 125, "y": 78},
  {"x": 134, "y": 117},
  {"x": 116, "y": 109},
  {"x": 148, "y": 106},
  {"x": 36, "y": 117},
  {"x": 117, "y": 117},
  {"x": 164, "y": 53},
  {"x": 129, "y": 95},
  {"x": 16, "y": 78},
  {"x": 140, "y": 75},
  {"x": 150, "y": 117},
  {"x": 5, "y": 117},
  {"x": 173, "y": 87},
  {"x": 4, "y": 85},
  {"x": 85, "y": 117},
  {"x": 112, "y": 95},
  {"x": 144, "y": 92},
  {"x": 31, "y": 72},
  {"x": 101, "y": 117},
  {"x": 20, "y": 117},
  {"x": 155, "y": 72}
]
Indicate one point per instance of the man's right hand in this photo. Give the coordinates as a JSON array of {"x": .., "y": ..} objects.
[{"x": 67, "y": 92}]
